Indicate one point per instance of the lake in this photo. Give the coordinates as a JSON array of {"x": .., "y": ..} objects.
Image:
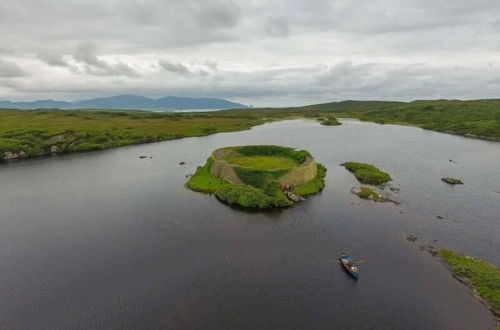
[{"x": 105, "y": 240}]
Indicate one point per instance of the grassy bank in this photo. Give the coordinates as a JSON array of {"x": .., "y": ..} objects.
[
  {"x": 481, "y": 276},
  {"x": 314, "y": 186},
  {"x": 39, "y": 132},
  {"x": 203, "y": 181},
  {"x": 480, "y": 118}
]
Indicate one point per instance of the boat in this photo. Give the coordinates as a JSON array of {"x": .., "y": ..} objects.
[
  {"x": 348, "y": 264},
  {"x": 291, "y": 196}
]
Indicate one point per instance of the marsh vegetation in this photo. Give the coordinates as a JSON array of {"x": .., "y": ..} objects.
[
  {"x": 25, "y": 133},
  {"x": 480, "y": 275}
]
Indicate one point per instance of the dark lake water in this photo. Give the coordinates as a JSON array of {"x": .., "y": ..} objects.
[{"x": 106, "y": 240}]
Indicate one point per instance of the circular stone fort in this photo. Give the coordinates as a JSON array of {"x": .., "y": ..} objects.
[
  {"x": 259, "y": 176},
  {"x": 285, "y": 165}
]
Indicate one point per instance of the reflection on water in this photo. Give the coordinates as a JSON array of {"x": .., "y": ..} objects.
[{"x": 108, "y": 240}]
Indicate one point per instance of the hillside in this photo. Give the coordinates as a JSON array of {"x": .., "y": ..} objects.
[
  {"x": 25, "y": 133},
  {"x": 128, "y": 102}
]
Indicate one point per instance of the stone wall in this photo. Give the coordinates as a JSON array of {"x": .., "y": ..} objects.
[{"x": 301, "y": 174}]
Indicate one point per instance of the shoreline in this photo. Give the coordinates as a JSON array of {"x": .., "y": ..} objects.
[
  {"x": 468, "y": 283},
  {"x": 11, "y": 157}
]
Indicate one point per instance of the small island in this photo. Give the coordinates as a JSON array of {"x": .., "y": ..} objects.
[
  {"x": 259, "y": 176},
  {"x": 368, "y": 193},
  {"x": 452, "y": 181},
  {"x": 329, "y": 121},
  {"x": 366, "y": 173}
]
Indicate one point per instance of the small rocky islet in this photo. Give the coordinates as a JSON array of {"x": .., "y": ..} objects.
[
  {"x": 368, "y": 174},
  {"x": 452, "y": 181}
]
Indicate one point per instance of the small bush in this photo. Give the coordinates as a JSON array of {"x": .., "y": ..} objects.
[{"x": 251, "y": 197}]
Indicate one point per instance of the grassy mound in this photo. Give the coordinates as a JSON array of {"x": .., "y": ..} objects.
[
  {"x": 263, "y": 162},
  {"x": 483, "y": 277},
  {"x": 366, "y": 173}
]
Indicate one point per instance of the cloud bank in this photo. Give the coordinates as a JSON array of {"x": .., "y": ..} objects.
[{"x": 257, "y": 52}]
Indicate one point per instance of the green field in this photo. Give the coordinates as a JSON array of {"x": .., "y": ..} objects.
[
  {"x": 263, "y": 162},
  {"x": 35, "y": 132},
  {"x": 38, "y": 132},
  {"x": 366, "y": 173},
  {"x": 483, "y": 277}
]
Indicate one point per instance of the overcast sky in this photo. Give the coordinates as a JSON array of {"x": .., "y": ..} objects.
[{"x": 276, "y": 52}]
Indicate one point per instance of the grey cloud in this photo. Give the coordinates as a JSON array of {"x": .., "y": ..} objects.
[
  {"x": 53, "y": 59},
  {"x": 312, "y": 84},
  {"x": 174, "y": 67},
  {"x": 278, "y": 27},
  {"x": 217, "y": 14},
  {"x": 10, "y": 70},
  {"x": 93, "y": 65},
  {"x": 376, "y": 49},
  {"x": 184, "y": 70}
]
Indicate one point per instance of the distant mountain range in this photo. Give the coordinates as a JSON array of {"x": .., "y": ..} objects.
[{"x": 128, "y": 102}]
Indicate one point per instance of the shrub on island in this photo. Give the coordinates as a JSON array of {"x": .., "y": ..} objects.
[{"x": 329, "y": 121}]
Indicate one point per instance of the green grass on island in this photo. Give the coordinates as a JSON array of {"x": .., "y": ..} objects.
[
  {"x": 25, "y": 133},
  {"x": 368, "y": 193},
  {"x": 329, "y": 121},
  {"x": 480, "y": 275},
  {"x": 452, "y": 181},
  {"x": 263, "y": 162},
  {"x": 203, "y": 181},
  {"x": 366, "y": 173},
  {"x": 313, "y": 186},
  {"x": 255, "y": 187}
]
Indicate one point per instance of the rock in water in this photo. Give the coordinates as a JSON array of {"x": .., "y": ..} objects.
[{"x": 452, "y": 181}]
